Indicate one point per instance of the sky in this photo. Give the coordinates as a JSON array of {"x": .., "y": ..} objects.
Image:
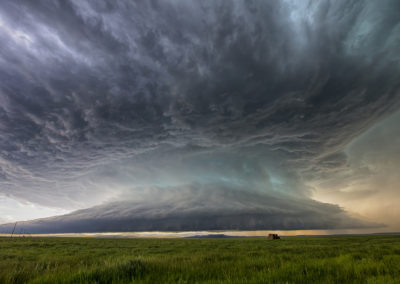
[{"x": 181, "y": 115}]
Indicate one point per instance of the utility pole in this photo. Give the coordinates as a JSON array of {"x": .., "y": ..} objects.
[{"x": 15, "y": 225}]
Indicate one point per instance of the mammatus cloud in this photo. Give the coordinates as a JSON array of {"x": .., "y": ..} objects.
[{"x": 102, "y": 100}]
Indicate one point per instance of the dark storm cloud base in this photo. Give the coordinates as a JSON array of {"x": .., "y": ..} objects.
[
  {"x": 197, "y": 208},
  {"x": 101, "y": 99}
]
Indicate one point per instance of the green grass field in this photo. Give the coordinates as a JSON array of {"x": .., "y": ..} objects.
[{"x": 366, "y": 259}]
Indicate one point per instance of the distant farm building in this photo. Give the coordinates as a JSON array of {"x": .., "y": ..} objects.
[{"x": 273, "y": 237}]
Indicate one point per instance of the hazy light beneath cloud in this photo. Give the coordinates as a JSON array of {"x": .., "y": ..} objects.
[{"x": 13, "y": 210}]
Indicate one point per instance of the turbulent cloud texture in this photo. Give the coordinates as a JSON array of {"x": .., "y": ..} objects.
[
  {"x": 246, "y": 101},
  {"x": 193, "y": 208},
  {"x": 369, "y": 183}
]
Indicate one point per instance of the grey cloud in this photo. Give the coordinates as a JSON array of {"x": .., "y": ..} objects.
[
  {"x": 99, "y": 99},
  {"x": 199, "y": 207},
  {"x": 369, "y": 180}
]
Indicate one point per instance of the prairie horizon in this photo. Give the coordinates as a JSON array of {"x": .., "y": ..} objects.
[
  {"x": 129, "y": 126},
  {"x": 204, "y": 234},
  {"x": 351, "y": 259}
]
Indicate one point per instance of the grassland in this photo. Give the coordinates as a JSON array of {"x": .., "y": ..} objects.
[{"x": 366, "y": 259}]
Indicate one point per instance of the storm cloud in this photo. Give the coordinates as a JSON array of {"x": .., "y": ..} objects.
[
  {"x": 195, "y": 207},
  {"x": 104, "y": 101}
]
